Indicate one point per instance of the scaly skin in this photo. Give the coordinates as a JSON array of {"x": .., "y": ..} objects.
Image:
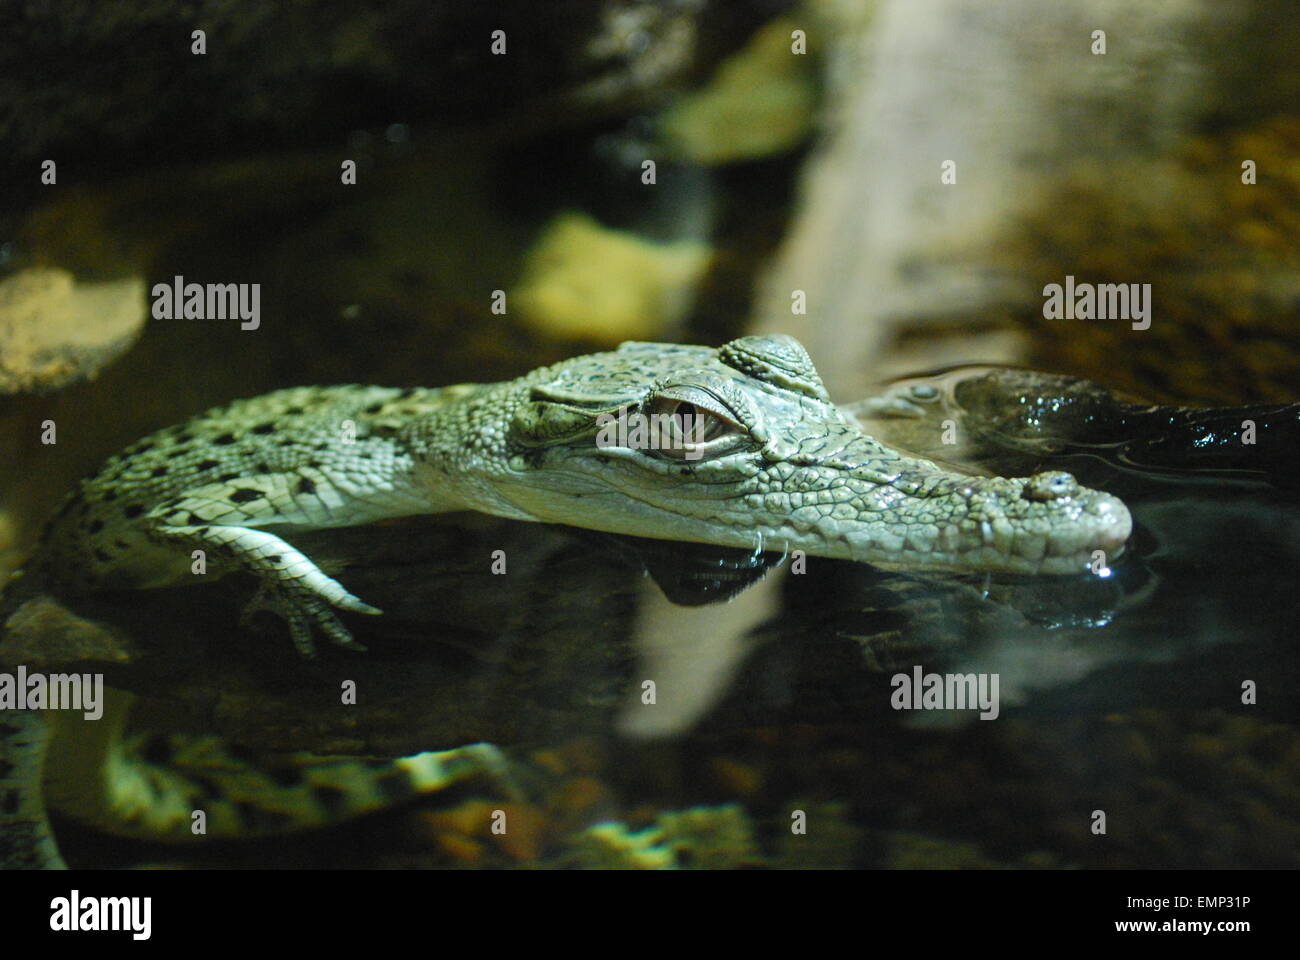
[{"x": 783, "y": 469}]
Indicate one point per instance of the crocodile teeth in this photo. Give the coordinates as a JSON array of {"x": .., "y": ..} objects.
[
  {"x": 891, "y": 542},
  {"x": 1004, "y": 537},
  {"x": 1031, "y": 546},
  {"x": 950, "y": 539},
  {"x": 1065, "y": 546},
  {"x": 920, "y": 541}
]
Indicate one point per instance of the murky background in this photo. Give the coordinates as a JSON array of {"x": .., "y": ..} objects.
[{"x": 778, "y": 168}]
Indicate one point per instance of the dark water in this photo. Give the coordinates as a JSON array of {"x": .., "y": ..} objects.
[{"x": 1162, "y": 694}]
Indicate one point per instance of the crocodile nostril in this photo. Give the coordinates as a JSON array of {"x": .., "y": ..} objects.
[{"x": 1050, "y": 486}]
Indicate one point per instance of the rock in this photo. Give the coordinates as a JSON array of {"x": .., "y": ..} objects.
[
  {"x": 705, "y": 838},
  {"x": 761, "y": 102},
  {"x": 585, "y": 281},
  {"x": 126, "y": 83},
  {"x": 56, "y": 330}
]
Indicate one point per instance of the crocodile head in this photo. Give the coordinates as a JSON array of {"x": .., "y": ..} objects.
[{"x": 741, "y": 446}]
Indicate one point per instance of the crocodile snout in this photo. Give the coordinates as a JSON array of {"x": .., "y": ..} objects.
[{"x": 1051, "y": 485}]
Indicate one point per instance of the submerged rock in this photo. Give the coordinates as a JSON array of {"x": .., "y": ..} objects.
[
  {"x": 56, "y": 330},
  {"x": 699, "y": 838}
]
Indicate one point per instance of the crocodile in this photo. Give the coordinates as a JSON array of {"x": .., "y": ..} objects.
[
  {"x": 750, "y": 452},
  {"x": 736, "y": 446}
]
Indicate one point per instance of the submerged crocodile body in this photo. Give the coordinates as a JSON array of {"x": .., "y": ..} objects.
[{"x": 744, "y": 449}]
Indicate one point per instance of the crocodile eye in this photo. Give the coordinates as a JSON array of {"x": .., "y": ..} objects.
[{"x": 686, "y": 425}]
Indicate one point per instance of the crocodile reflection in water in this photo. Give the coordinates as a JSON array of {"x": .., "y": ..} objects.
[{"x": 1002, "y": 410}]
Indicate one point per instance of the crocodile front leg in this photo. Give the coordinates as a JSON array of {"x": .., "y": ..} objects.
[{"x": 291, "y": 585}]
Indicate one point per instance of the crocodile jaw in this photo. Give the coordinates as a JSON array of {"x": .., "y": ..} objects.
[{"x": 924, "y": 519}]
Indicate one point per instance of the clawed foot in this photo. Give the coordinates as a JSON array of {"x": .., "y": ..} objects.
[{"x": 305, "y": 611}]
